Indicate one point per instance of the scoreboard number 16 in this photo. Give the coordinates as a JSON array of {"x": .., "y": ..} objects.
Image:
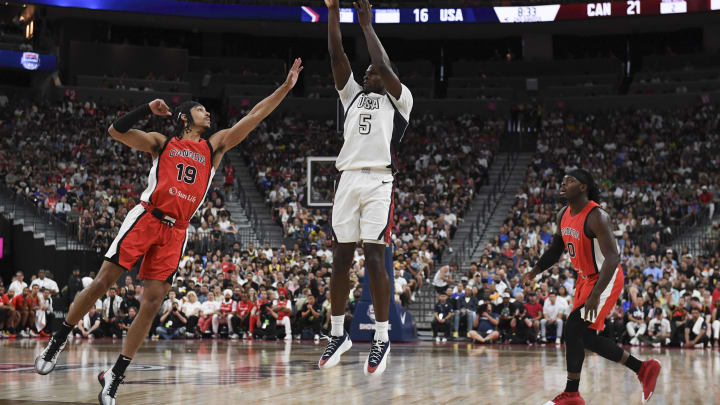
[{"x": 421, "y": 14}]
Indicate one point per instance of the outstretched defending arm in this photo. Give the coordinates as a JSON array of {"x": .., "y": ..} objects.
[
  {"x": 150, "y": 142},
  {"x": 224, "y": 140},
  {"x": 378, "y": 56},
  {"x": 338, "y": 58},
  {"x": 550, "y": 257}
]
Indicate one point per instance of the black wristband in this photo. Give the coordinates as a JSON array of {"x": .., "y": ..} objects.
[{"x": 124, "y": 123}]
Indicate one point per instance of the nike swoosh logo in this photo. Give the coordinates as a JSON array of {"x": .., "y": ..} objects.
[
  {"x": 402, "y": 319},
  {"x": 386, "y": 182}
]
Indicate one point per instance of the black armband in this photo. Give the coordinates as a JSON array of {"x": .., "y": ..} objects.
[
  {"x": 124, "y": 123},
  {"x": 552, "y": 254}
]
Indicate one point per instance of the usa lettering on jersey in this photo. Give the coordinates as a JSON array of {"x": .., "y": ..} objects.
[{"x": 369, "y": 103}]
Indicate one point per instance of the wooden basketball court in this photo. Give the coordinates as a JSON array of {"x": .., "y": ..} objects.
[{"x": 219, "y": 372}]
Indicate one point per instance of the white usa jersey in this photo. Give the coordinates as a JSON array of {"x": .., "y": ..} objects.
[{"x": 374, "y": 123}]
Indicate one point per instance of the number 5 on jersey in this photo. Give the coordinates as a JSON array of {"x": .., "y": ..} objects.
[
  {"x": 187, "y": 175},
  {"x": 365, "y": 124}
]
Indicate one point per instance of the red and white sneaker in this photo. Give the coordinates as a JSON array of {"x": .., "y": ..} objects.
[
  {"x": 648, "y": 375},
  {"x": 567, "y": 398}
]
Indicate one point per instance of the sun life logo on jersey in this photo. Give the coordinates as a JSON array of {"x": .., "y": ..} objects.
[
  {"x": 174, "y": 191},
  {"x": 369, "y": 103}
]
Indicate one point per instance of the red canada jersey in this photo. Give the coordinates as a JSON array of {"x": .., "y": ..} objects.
[
  {"x": 226, "y": 307},
  {"x": 284, "y": 304},
  {"x": 180, "y": 177},
  {"x": 583, "y": 250},
  {"x": 243, "y": 307}
]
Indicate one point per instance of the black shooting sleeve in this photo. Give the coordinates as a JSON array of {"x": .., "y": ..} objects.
[
  {"x": 552, "y": 254},
  {"x": 125, "y": 123}
]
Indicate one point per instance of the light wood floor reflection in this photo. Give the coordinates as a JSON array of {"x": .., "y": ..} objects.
[{"x": 218, "y": 372}]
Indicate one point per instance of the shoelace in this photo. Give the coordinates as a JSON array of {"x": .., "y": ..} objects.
[
  {"x": 334, "y": 341},
  {"x": 52, "y": 350},
  {"x": 114, "y": 385},
  {"x": 376, "y": 351}
]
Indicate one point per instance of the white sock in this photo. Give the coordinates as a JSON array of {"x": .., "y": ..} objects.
[
  {"x": 381, "y": 331},
  {"x": 338, "y": 325}
]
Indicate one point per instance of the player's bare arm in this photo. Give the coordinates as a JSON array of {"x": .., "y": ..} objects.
[
  {"x": 378, "y": 56},
  {"x": 224, "y": 140},
  {"x": 149, "y": 142},
  {"x": 552, "y": 253},
  {"x": 338, "y": 59},
  {"x": 599, "y": 224}
]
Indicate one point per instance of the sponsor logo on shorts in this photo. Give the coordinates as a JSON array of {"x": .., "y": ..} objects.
[{"x": 179, "y": 194}]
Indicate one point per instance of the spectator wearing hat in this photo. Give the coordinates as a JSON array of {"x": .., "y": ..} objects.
[
  {"x": 658, "y": 331},
  {"x": 224, "y": 315},
  {"x": 553, "y": 313},
  {"x": 442, "y": 318},
  {"x": 506, "y": 312},
  {"x": 653, "y": 270}
]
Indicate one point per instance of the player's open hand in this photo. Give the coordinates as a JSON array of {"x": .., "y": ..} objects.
[
  {"x": 364, "y": 12},
  {"x": 333, "y": 4},
  {"x": 294, "y": 73},
  {"x": 158, "y": 107},
  {"x": 591, "y": 307}
]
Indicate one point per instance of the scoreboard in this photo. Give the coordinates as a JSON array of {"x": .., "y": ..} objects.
[
  {"x": 460, "y": 15},
  {"x": 526, "y": 14}
]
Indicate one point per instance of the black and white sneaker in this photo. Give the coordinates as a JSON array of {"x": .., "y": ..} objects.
[
  {"x": 335, "y": 348},
  {"x": 377, "y": 360},
  {"x": 110, "y": 383},
  {"x": 45, "y": 362}
]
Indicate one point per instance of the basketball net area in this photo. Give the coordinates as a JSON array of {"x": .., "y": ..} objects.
[{"x": 321, "y": 175}]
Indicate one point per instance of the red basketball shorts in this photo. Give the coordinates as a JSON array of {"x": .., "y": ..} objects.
[
  {"x": 608, "y": 298},
  {"x": 141, "y": 234}
]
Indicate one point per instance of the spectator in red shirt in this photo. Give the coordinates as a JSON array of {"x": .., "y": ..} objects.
[
  {"x": 24, "y": 305},
  {"x": 283, "y": 308},
  {"x": 706, "y": 198},
  {"x": 241, "y": 318},
  {"x": 534, "y": 310},
  {"x": 255, "y": 312},
  {"x": 229, "y": 180},
  {"x": 9, "y": 317}
]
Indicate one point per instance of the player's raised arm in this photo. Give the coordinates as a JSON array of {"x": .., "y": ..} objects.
[
  {"x": 378, "y": 56},
  {"x": 150, "y": 142},
  {"x": 551, "y": 255},
  {"x": 226, "y": 139},
  {"x": 338, "y": 58}
]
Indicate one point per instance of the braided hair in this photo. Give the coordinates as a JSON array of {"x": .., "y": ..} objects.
[{"x": 184, "y": 126}]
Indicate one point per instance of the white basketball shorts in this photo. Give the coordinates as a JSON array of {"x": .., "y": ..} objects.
[{"x": 363, "y": 206}]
